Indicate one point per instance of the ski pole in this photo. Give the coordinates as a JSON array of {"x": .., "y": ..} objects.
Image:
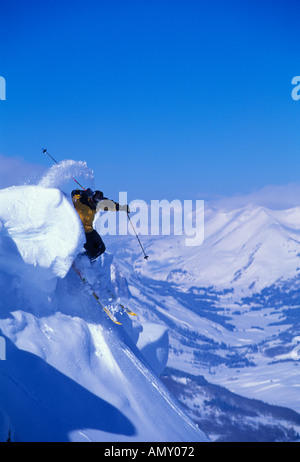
[
  {"x": 145, "y": 256},
  {"x": 46, "y": 152}
]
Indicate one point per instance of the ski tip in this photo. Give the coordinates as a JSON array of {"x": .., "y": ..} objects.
[
  {"x": 114, "y": 320},
  {"x": 127, "y": 310}
]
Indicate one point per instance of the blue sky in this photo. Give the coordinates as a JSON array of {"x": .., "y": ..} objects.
[{"x": 162, "y": 99}]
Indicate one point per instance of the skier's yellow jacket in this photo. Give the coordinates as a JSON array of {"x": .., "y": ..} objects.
[{"x": 87, "y": 208}]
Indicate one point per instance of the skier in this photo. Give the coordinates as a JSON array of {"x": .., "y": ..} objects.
[{"x": 87, "y": 203}]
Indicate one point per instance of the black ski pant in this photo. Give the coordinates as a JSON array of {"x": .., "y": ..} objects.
[{"x": 94, "y": 245}]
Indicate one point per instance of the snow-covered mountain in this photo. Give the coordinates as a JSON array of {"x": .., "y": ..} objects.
[
  {"x": 232, "y": 306},
  {"x": 215, "y": 345},
  {"x": 70, "y": 373}
]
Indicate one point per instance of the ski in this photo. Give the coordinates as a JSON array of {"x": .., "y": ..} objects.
[
  {"x": 128, "y": 311},
  {"x": 85, "y": 281}
]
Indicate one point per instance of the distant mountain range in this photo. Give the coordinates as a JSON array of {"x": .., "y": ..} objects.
[{"x": 232, "y": 307}]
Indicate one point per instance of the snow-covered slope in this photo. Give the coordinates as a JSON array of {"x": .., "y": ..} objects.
[{"x": 70, "y": 374}]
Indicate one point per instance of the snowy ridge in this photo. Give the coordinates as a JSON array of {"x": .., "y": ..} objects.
[{"x": 70, "y": 373}]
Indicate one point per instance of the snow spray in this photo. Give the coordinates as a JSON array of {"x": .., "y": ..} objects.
[{"x": 64, "y": 171}]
